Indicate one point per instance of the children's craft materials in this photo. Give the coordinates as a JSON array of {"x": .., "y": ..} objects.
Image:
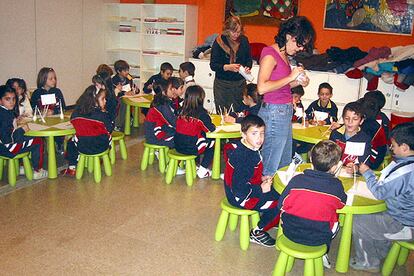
[
  {"x": 248, "y": 76},
  {"x": 62, "y": 116},
  {"x": 48, "y": 99},
  {"x": 320, "y": 116},
  {"x": 354, "y": 148},
  {"x": 126, "y": 87},
  {"x": 360, "y": 189}
]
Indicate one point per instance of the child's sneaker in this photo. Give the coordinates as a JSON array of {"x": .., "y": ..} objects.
[
  {"x": 222, "y": 176},
  {"x": 262, "y": 237},
  {"x": 40, "y": 174},
  {"x": 203, "y": 172},
  {"x": 68, "y": 172},
  {"x": 21, "y": 170},
  {"x": 326, "y": 262},
  {"x": 180, "y": 171},
  {"x": 363, "y": 266}
]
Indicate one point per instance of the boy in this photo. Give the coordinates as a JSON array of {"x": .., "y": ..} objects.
[
  {"x": 166, "y": 70},
  {"x": 243, "y": 181},
  {"x": 186, "y": 72},
  {"x": 324, "y": 104},
  {"x": 353, "y": 117},
  {"x": 382, "y": 119},
  {"x": 297, "y": 93},
  {"x": 309, "y": 202},
  {"x": 372, "y": 233}
]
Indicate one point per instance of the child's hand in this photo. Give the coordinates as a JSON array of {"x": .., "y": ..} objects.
[
  {"x": 334, "y": 125},
  {"x": 229, "y": 119},
  {"x": 363, "y": 168},
  {"x": 351, "y": 168},
  {"x": 130, "y": 93},
  {"x": 233, "y": 67},
  {"x": 266, "y": 186},
  {"x": 150, "y": 86},
  {"x": 25, "y": 127}
]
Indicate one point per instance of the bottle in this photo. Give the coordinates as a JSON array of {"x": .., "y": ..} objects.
[{"x": 248, "y": 76}]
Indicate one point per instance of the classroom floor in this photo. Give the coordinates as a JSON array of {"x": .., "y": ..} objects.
[{"x": 130, "y": 224}]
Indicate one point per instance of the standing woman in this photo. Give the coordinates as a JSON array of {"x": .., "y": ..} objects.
[
  {"x": 230, "y": 50},
  {"x": 274, "y": 82}
]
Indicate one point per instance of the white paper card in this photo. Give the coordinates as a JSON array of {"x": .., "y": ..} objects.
[
  {"x": 360, "y": 188},
  {"x": 126, "y": 87},
  {"x": 285, "y": 178},
  {"x": 321, "y": 116},
  {"x": 355, "y": 148},
  {"x": 350, "y": 198},
  {"x": 299, "y": 112},
  {"x": 48, "y": 99}
]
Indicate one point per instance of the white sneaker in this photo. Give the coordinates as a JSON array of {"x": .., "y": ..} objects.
[
  {"x": 325, "y": 261},
  {"x": 40, "y": 174},
  {"x": 180, "y": 171},
  {"x": 157, "y": 154},
  {"x": 404, "y": 234},
  {"x": 203, "y": 172},
  {"x": 222, "y": 176},
  {"x": 21, "y": 170}
]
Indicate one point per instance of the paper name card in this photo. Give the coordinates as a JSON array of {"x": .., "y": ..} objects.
[
  {"x": 48, "y": 99},
  {"x": 126, "y": 87},
  {"x": 320, "y": 116},
  {"x": 355, "y": 148}
]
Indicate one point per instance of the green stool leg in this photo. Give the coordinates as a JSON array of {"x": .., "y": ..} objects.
[
  {"x": 290, "y": 264},
  {"x": 27, "y": 168},
  {"x": 318, "y": 267},
  {"x": 145, "y": 158},
  {"x": 112, "y": 153},
  {"x": 309, "y": 269},
  {"x": 107, "y": 165},
  {"x": 90, "y": 164},
  {"x": 12, "y": 173},
  {"x": 151, "y": 156},
  {"x": 1, "y": 168},
  {"x": 280, "y": 266},
  {"x": 80, "y": 167},
  {"x": 216, "y": 160},
  {"x": 233, "y": 222},
  {"x": 244, "y": 232},
  {"x": 17, "y": 166},
  {"x": 221, "y": 225},
  {"x": 51, "y": 155},
  {"x": 123, "y": 149},
  {"x": 341, "y": 219},
  {"x": 194, "y": 167},
  {"x": 136, "y": 116},
  {"x": 402, "y": 258},
  {"x": 189, "y": 173},
  {"x": 342, "y": 259},
  {"x": 391, "y": 259},
  {"x": 97, "y": 174},
  {"x": 161, "y": 162},
  {"x": 170, "y": 171},
  {"x": 255, "y": 219},
  {"x": 127, "y": 126},
  {"x": 175, "y": 167}
]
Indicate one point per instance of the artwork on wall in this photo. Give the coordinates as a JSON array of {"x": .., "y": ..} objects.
[
  {"x": 379, "y": 16},
  {"x": 262, "y": 12}
]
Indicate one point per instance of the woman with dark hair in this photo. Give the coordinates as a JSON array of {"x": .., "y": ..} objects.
[
  {"x": 230, "y": 51},
  {"x": 275, "y": 80}
]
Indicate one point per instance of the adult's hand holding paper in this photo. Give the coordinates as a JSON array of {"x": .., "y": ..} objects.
[{"x": 48, "y": 99}]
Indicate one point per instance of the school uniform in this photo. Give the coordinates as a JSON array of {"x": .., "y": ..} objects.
[
  {"x": 93, "y": 134},
  {"x": 189, "y": 81},
  {"x": 383, "y": 120},
  {"x": 25, "y": 109},
  {"x": 155, "y": 79},
  {"x": 159, "y": 125},
  {"x": 246, "y": 110},
  {"x": 295, "y": 118},
  {"x": 378, "y": 142},
  {"x": 120, "y": 118},
  {"x": 13, "y": 141},
  {"x": 330, "y": 108},
  {"x": 242, "y": 180},
  {"x": 308, "y": 207},
  {"x": 190, "y": 137},
  {"x": 36, "y": 100}
]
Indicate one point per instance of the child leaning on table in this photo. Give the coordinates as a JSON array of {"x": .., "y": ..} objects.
[
  {"x": 323, "y": 104},
  {"x": 309, "y": 202},
  {"x": 251, "y": 105},
  {"x": 372, "y": 234},
  {"x": 244, "y": 184}
]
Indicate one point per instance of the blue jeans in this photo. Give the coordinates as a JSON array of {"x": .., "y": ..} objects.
[{"x": 277, "y": 147}]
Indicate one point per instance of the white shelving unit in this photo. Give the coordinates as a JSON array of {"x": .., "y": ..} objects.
[{"x": 158, "y": 33}]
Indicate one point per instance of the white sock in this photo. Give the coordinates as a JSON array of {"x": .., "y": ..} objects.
[
  {"x": 71, "y": 167},
  {"x": 405, "y": 234}
]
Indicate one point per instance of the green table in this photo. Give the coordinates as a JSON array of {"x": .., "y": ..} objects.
[
  {"x": 360, "y": 205},
  {"x": 311, "y": 134},
  {"x": 50, "y": 134},
  {"x": 216, "y": 119},
  {"x": 131, "y": 101}
]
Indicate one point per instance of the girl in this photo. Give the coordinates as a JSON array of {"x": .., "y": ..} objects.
[
  {"x": 23, "y": 102},
  {"x": 160, "y": 121},
  {"x": 12, "y": 139},
  {"x": 103, "y": 81},
  {"x": 251, "y": 101},
  {"x": 93, "y": 127},
  {"x": 46, "y": 84},
  {"x": 192, "y": 125}
]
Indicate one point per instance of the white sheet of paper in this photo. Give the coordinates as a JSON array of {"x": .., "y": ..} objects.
[
  {"x": 126, "y": 87},
  {"x": 36, "y": 127},
  {"x": 350, "y": 198},
  {"x": 361, "y": 189},
  {"x": 321, "y": 116},
  {"x": 48, "y": 99},
  {"x": 355, "y": 148},
  {"x": 285, "y": 178},
  {"x": 299, "y": 112}
]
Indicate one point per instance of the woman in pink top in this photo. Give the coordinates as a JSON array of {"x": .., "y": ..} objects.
[{"x": 274, "y": 82}]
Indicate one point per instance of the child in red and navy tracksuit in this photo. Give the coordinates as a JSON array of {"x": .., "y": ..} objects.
[
  {"x": 309, "y": 202},
  {"x": 381, "y": 118},
  {"x": 192, "y": 125},
  {"x": 160, "y": 121},
  {"x": 251, "y": 105},
  {"x": 93, "y": 127},
  {"x": 244, "y": 184},
  {"x": 12, "y": 138}
]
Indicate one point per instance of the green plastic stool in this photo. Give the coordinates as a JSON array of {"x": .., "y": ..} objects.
[
  {"x": 13, "y": 169},
  {"x": 398, "y": 254},
  {"x": 149, "y": 154},
  {"x": 94, "y": 165},
  {"x": 190, "y": 166},
  {"x": 231, "y": 214},
  {"x": 290, "y": 250},
  {"x": 118, "y": 136}
]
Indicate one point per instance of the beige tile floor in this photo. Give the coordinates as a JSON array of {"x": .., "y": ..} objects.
[{"x": 130, "y": 224}]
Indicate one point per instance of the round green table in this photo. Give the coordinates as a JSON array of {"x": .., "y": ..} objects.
[
  {"x": 130, "y": 101},
  {"x": 310, "y": 134},
  {"x": 50, "y": 133},
  {"x": 360, "y": 205},
  {"x": 218, "y": 135}
]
